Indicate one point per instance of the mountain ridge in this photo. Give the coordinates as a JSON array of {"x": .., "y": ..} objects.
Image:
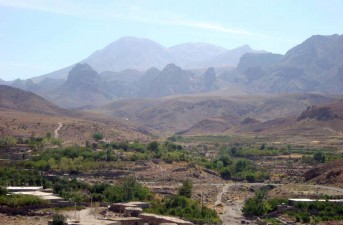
[{"x": 143, "y": 53}]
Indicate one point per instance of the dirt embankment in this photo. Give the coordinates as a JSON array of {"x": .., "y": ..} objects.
[{"x": 329, "y": 174}]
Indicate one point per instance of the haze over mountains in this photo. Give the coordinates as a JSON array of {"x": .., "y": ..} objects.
[
  {"x": 136, "y": 67},
  {"x": 142, "y": 54},
  {"x": 134, "y": 79}
]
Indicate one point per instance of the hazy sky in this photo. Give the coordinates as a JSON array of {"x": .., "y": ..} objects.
[{"x": 40, "y": 36}]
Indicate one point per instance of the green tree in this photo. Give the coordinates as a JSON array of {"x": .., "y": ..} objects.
[
  {"x": 186, "y": 189},
  {"x": 241, "y": 165},
  {"x": 132, "y": 190},
  {"x": 153, "y": 146},
  {"x": 262, "y": 147},
  {"x": 48, "y": 135},
  {"x": 319, "y": 157},
  {"x": 225, "y": 173},
  {"x": 3, "y": 191},
  {"x": 97, "y": 136}
]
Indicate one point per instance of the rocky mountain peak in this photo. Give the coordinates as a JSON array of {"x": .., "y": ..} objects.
[
  {"x": 257, "y": 60},
  {"x": 82, "y": 72},
  {"x": 171, "y": 68},
  {"x": 83, "y": 76},
  {"x": 321, "y": 114}
]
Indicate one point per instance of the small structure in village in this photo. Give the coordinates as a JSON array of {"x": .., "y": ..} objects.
[
  {"x": 45, "y": 194},
  {"x": 133, "y": 212}
]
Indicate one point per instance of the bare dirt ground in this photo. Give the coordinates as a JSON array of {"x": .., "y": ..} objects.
[
  {"x": 87, "y": 216},
  {"x": 304, "y": 191},
  {"x": 230, "y": 202},
  {"x": 73, "y": 131},
  {"x": 23, "y": 220}
]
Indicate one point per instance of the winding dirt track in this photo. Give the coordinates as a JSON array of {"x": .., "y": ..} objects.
[
  {"x": 60, "y": 125},
  {"x": 232, "y": 214}
]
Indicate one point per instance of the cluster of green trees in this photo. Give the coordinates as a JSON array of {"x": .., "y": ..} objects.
[
  {"x": 181, "y": 205},
  {"x": 240, "y": 168},
  {"x": 11, "y": 176},
  {"x": 317, "y": 211},
  {"x": 239, "y": 151},
  {"x": 35, "y": 143},
  {"x": 75, "y": 159},
  {"x": 317, "y": 157},
  {"x": 127, "y": 189},
  {"x": 306, "y": 212},
  {"x": 259, "y": 204}
]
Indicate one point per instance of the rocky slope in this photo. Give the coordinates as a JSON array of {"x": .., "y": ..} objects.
[
  {"x": 316, "y": 65},
  {"x": 26, "y": 114},
  {"x": 320, "y": 123},
  {"x": 23, "y": 101},
  {"x": 330, "y": 173},
  {"x": 175, "y": 114},
  {"x": 83, "y": 88}
]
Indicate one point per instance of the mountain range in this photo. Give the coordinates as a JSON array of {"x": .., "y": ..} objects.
[
  {"x": 142, "y": 54},
  {"x": 136, "y": 67}
]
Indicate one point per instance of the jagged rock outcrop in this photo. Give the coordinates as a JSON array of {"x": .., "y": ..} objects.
[
  {"x": 318, "y": 113},
  {"x": 171, "y": 80}
]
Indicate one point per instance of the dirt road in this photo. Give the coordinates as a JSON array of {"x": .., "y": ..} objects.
[
  {"x": 232, "y": 203},
  {"x": 231, "y": 213},
  {"x": 58, "y": 129}
]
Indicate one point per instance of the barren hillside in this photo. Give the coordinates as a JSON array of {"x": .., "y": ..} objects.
[
  {"x": 329, "y": 173},
  {"x": 175, "y": 114},
  {"x": 26, "y": 114}
]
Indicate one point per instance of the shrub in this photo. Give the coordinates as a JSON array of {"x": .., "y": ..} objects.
[
  {"x": 98, "y": 136},
  {"x": 319, "y": 157},
  {"x": 59, "y": 220},
  {"x": 21, "y": 200},
  {"x": 225, "y": 173},
  {"x": 250, "y": 177}
]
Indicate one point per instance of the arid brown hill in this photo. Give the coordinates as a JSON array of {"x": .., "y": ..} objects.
[
  {"x": 175, "y": 114},
  {"x": 324, "y": 113},
  {"x": 317, "y": 124},
  {"x": 23, "y": 101},
  {"x": 26, "y": 114},
  {"x": 329, "y": 173}
]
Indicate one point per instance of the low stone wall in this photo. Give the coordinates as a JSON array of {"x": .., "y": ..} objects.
[{"x": 152, "y": 219}]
